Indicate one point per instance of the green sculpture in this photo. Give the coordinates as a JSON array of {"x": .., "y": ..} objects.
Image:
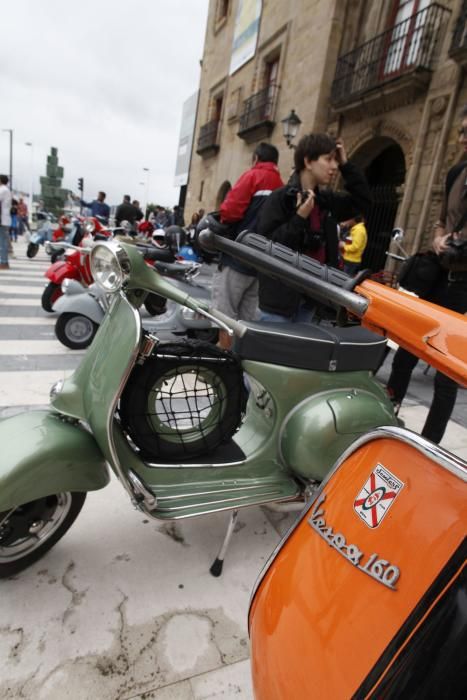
[{"x": 52, "y": 193}]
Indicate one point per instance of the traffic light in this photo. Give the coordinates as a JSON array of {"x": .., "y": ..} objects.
[{"x": 80, "y": 184}]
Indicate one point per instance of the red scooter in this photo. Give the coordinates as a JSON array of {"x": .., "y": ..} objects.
[{"x": 74, "y": 266}]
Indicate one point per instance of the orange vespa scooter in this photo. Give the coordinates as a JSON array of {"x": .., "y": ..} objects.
[{"x": 366, "y": 597}]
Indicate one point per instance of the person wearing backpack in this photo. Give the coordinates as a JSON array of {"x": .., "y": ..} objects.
[
  {"x": 235, "y": 286},
  {"x": 450, "y": 290}
]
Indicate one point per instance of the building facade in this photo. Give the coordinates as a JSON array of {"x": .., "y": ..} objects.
[{"x": 388, "y": 77}]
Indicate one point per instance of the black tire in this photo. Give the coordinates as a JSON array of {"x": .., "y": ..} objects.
[
  {"x": 184, "y": 402},
  {"x": 75, "y": 330},
  {"x": 208, "y": 335},
  {"x": 22, "y": 543},
  {"x": 32, "y": 250},
  {"x": 50, "y": 295},
  {"x": 155, "y": 304}
]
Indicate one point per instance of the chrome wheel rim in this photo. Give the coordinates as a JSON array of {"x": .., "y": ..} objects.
[
  {"x": 79, "y": 329},
  {"x": 25, "y": 528}
]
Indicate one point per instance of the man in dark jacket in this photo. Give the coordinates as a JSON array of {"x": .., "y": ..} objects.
[
  {"x": 303, "y": 215},
  {"x": 450, "y": 291},
  {"x": 126, "y": 211}
]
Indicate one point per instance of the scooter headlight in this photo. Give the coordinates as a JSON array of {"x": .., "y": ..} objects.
[
  {"x": 89, "y": 226},
  {"x": 109, "y": 266}
]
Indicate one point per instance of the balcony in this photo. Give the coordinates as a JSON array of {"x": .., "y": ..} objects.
[
  {"x": 458, "y": 49},
  {"x": 208, "y": 139},
  {"x": 257, "y": 117},
  {"x": 393, "y": 67}
]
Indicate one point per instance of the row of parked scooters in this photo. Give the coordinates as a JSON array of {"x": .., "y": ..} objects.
[{"x": 81, "y": 304}]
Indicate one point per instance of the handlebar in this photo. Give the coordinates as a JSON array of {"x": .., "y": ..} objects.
[{"x": 324, "y": 284}]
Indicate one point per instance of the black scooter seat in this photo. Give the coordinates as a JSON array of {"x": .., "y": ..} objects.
[{"x": 308, "y": 346}]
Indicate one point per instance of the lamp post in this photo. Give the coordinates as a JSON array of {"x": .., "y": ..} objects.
[
  {"x": 290, "y": 127},
  {"x": 146, "y": 170},
  {"x": 10, "y": 131},
  {"x": 31, "y": 194}
]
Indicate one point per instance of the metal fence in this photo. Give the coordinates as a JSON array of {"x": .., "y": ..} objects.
[
  {"x": 405, "y": 47},
  {"x": 258, "y": 109},
  {"x": 379, "y": 225}
]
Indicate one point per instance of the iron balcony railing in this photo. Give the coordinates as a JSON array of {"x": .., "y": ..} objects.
[
  {"x": 405, "y": 47},
  {"x": 459, "y": 37},
  {"x": 208, "y": 136},
  {"x": 258, "y": 109}
]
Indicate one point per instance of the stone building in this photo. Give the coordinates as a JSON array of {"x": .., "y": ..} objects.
[{"x": 388, "y": 76}]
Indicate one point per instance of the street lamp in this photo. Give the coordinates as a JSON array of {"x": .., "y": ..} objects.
[
  {"x": 31, "y": 195},
  {"x": 146, "y": 170},
  {"x": 10, "y": 131},
  {"x": 290, "y": 127}
]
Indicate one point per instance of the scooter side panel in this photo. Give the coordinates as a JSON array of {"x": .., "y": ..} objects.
[
  {"x": 42, "y": 455},
  {"x": 82, "y": 304},
  {"x": 345, "y": 592},
  {"x": 323, "y": 426}
]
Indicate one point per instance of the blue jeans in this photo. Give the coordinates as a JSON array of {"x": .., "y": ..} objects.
[
  {"x": 302, "y": 315},
  {"x": 4, "y": 240}
]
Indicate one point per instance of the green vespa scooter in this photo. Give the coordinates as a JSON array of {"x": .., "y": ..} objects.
[{"x": 174, "y": 421}]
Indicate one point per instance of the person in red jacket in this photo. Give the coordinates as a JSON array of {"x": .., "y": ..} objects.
[{"x": 235, "y": 286}]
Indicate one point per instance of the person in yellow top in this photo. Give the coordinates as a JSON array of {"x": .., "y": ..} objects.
[{"x": 353, "y": 245}]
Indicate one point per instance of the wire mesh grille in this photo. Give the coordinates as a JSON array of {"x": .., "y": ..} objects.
[{"x": 184, "y": 400}]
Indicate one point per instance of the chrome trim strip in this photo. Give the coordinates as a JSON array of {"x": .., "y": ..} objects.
[
  {"x": 453, "y": 464},
  {"x": 224, "y": 508}
]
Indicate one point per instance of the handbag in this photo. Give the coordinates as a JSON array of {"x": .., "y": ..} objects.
[{"x": 420, "y": 273}]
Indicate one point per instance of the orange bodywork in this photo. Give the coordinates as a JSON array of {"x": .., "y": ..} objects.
[
  {"x": 318, "y": 622},
  {"x": 433, "y": 333}
]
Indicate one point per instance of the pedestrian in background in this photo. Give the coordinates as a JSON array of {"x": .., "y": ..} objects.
[
  {"x": 303, "y": 215},
  {"x": 449, "y": 291},
  {"x": 23, "y": 223},
  {"x": 235, "y": 285},
  {"x": 14, "y": 220},
  {"x": 5, "y": 221},
  {"x": 126, "y": 211},
  {"x": 353, "y": 243},
  {"x": 139, "y": 212},
  {"x": 98, "y": 207}
]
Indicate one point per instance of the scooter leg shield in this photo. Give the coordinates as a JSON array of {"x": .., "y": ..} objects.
[{"x": 42, "y": 454}]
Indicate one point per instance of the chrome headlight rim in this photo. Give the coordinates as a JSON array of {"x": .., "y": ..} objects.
[{"x": 120, "y": 266}]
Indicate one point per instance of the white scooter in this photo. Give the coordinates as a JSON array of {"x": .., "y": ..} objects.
[{"x": 82, "y": 309}]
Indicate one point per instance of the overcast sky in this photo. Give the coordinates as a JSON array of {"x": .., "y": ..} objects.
[{"x": 104, "y": 81}]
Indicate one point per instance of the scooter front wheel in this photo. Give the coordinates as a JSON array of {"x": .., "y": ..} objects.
[
  {"x": 28, "y": 531},
  {"x": 50, "y": 295},
  {"x": 32, "y": 250},
  {"x": 75, "y": 330}
]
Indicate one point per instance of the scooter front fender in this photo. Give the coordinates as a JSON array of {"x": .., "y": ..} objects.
[
  {"x": 83, "y": 304},
  {"x": 60, "y": 270},
  {"x": 42, "y": 454}
]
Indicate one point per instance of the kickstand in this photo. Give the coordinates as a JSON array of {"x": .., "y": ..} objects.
[{"x": 216, "y": 568}]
